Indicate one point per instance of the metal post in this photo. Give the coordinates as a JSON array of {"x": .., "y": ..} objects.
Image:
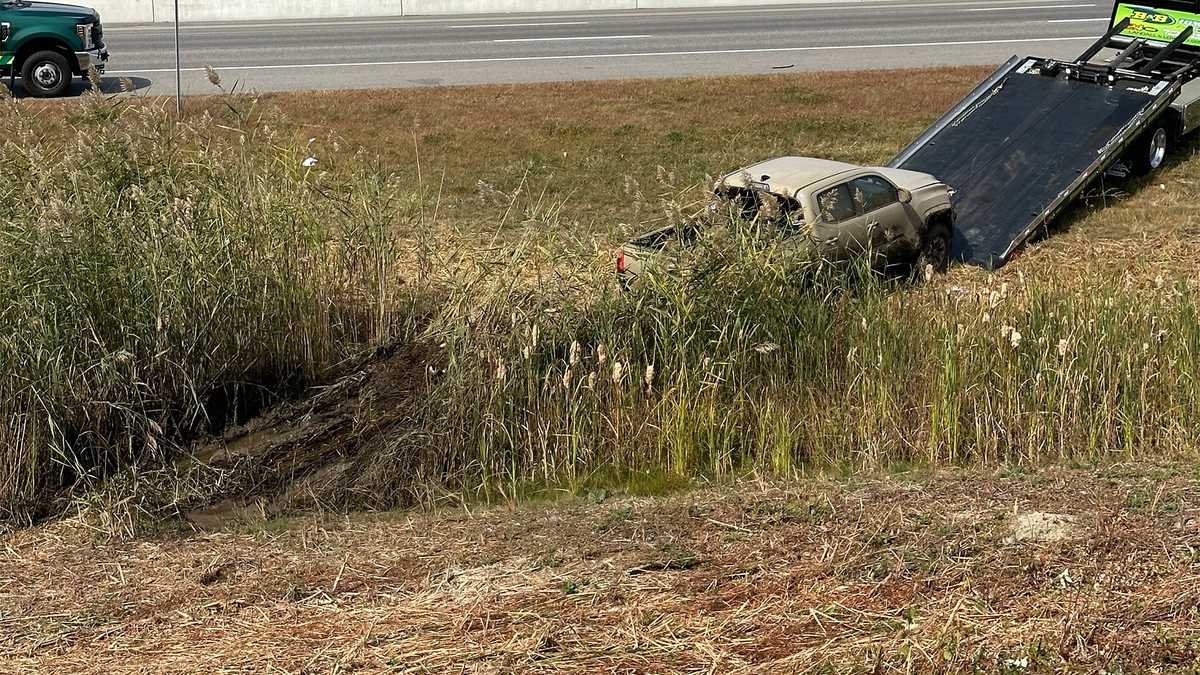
[{"x": 178, "y": 68}]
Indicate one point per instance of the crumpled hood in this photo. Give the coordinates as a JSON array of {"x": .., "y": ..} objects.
[{"x": 785, "y": 175}]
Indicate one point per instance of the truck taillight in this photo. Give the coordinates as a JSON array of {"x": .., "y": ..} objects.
[{"x": 620, "y": 261}]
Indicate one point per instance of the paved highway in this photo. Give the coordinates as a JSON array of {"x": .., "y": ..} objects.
[{"x": 408, "y": 52}]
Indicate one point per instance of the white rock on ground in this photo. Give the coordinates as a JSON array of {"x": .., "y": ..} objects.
[{"x": 1039, "y": 527}]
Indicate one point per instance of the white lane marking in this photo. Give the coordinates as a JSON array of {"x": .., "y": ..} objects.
[
  {"x": 1103, "y": 18},
  {"x": 522, "y": 25},
  {"x": 576, "y": 57},
  {"x": 642, "y": 13},
  {"x": 581, "y": 37},
  {"x": 1013, "y": 9}
]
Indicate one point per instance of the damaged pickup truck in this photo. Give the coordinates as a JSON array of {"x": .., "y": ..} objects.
[{"x": 831, "y": 209}]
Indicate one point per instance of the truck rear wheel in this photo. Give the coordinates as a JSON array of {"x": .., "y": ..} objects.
[
  {"x": 935, "y": 249},
  {"x": 46, "y": 74},
  {"x": 1150, "y": 151}
]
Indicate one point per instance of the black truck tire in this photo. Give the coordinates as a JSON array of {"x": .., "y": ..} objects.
[
  {"x": 46, "y": 74},
  {"x": 1149, "y": 152},
  {"x": 935, "y": 250}
]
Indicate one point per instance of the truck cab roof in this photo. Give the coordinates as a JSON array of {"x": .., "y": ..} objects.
[{"x": 786, "y": 175}]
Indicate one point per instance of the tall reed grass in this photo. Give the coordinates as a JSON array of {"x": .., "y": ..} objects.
[
  {"x": 757, "y": 360},
  {"x": 159, "y": 279}
]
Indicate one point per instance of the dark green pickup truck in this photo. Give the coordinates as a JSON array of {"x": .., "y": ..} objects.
[{"x": 47, "y": 44}]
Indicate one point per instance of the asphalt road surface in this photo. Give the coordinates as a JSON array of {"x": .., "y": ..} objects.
[{"x": 410, "y": 52}]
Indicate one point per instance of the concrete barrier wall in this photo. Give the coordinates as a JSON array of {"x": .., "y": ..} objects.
[
  {"x": 244, "y": 10},
  {"x": 426, "y": 7},
  {"x": 676, "y": 4},
  {"x": 122, "y": 11},
  {"x": 150, "y": 11}
]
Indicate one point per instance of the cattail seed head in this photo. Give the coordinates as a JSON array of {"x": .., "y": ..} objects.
[
  {"x": 574, "y": 358},
  {"x": 767, "y": 347},
  {"x": 618, "y": 372},
  {"x": 649, "y": 377}
]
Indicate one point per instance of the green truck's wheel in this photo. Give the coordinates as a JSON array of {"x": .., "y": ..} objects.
[{"x": 46, "y": 75}]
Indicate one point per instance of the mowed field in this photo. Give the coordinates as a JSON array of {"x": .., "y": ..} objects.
[
  {"x": 606, "y": 153},
  {"x": 878, "y": 480},
  {"x": 1078, "y": 571}
]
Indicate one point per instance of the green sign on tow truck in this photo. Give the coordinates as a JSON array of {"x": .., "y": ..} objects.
[
  {"x": 47, "y": 44},
  {"x": 1157, "y": 24}
]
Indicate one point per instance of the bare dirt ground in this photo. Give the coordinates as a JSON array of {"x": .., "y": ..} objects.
[{"x": 1087, "y": 570}]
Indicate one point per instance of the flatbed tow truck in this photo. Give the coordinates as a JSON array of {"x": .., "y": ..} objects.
[{"x": 1032, "y": 136}]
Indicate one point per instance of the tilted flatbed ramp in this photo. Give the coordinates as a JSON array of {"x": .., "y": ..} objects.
[
  {"x": 1029, "y": 139},
  {"x": 1024, "y": 149}
]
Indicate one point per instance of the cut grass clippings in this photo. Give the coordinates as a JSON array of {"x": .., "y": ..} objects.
[{"x": 907, "y": 573}]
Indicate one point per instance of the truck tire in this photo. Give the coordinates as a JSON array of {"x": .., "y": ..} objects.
[
  {"x": 935, "y": 250},
  {"x": 1150, "y": 151},
  {"x": 46, "y": 74}
]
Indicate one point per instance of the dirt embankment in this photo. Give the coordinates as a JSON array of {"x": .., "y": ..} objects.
[{"x": 319, "y": 452}]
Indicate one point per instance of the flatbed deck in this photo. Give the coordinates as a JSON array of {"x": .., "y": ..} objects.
[{"x": 1030, "y": 138}]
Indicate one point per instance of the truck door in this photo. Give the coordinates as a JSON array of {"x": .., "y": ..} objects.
[
  {"x": 885, "y": 220},
  {"x": 840, "y": 226}
]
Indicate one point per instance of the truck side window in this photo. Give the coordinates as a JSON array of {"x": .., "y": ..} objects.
[
  {"x": 836, "y": 204},
  {"x": 872, "y": 192}
]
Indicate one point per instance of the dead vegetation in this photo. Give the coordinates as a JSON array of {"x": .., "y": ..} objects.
[
  {"x": 1069, "y": 570},
  {"x": 907, "y": 573}
]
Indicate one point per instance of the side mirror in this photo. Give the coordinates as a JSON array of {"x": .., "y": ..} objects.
[{"x": 904, "y": 196}]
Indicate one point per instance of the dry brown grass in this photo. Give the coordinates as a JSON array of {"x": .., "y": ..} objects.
[
  {"x": 904, "y": 573},
  {"x": 601, "y": 150},
  {"x": 578, "y": 141}
]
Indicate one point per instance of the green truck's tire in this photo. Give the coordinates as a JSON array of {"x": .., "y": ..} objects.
[{"x": 46, "y": 74}]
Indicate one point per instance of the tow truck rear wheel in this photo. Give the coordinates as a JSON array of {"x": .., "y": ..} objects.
[
  {"x": 46, "y": 74},
  {"x": 1150, "y": 151}
]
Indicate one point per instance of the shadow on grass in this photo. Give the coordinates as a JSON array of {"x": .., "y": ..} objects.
[{"x": 79, "y": 86}]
